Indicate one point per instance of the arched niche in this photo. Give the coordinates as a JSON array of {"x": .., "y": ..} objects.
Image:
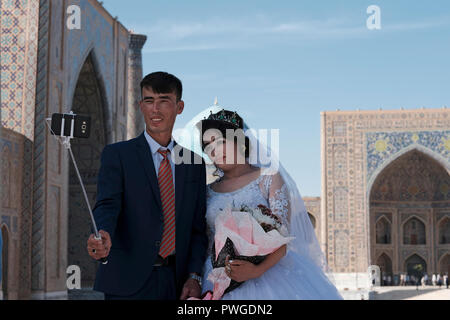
[
  {"x": 87, "y": 100},
  {"x": 383, "y": 231},
  {"x": 414, "y": 231}
]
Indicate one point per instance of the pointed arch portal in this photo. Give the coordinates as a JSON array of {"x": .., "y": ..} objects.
[
  {"x": 409, "y": 214},
  {"x": 87, "y": 100}
]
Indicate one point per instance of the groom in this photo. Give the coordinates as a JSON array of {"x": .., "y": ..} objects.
[{"x": 150, "y": 209}]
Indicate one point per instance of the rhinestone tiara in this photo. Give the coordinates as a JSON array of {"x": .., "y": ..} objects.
[{"x": 226, "y": 116}]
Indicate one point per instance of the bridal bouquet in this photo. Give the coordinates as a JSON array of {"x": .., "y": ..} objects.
[{"x": 245, "y": 233}]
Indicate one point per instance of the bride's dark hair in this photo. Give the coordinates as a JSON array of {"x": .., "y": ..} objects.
[{"x": 225, "y": 120}]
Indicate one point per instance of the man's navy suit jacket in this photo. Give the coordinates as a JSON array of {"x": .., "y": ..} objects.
[{"x": 129, "y": 208}]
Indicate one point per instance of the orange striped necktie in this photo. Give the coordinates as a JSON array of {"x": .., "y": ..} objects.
[{"x": 167, "y": 192}]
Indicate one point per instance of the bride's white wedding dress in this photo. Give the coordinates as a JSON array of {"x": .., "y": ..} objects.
[{"x": 294, "y": 276}]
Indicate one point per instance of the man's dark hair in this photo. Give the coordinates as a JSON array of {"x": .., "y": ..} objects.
[{"x": 163, "y": 82}]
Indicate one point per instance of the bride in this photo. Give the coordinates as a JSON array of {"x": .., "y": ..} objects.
[{"x": 294, "y": 271}]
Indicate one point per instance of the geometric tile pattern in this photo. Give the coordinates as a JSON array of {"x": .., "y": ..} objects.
[
  {"x": 12, "y": 174},
  {"x": 40, "y": 65},
  {"x": 108, "y": 46},
  {"x": 19, "y": 27},
  {"x": 382, "y": 145},
  {"x": 341, "y": 259},
  {"x": 79, "y": 43},
  {"x": 415, "y": 189},
  {"x": 38, "y": 221},
  {"x": 25, "y": 224},
  {"x": 412, "y": 177},
  {"x": 356, "y": 146}
]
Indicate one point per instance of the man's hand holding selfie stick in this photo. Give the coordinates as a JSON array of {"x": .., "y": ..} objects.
[{"x": 98, "y": 248}]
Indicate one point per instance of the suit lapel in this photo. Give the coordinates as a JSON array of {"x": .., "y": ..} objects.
[{"x": 149, "y": 167}]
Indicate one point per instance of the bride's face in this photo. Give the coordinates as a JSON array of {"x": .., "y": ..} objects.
[{"x": 222, "y": 152}]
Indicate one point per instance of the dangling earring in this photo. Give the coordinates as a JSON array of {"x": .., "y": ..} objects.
[{"x": 218, "y": 173}]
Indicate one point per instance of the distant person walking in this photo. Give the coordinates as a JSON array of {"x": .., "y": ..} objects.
[
  {"x": 433, "y": 280},
  {"x": 426, "y": 279},
  {"x": 439, "y": 280}
]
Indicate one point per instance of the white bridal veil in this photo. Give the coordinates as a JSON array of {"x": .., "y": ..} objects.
[{"x": 300, "y": 226}]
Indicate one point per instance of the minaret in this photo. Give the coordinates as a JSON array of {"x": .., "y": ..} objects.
[{"x": 135, "y": 120}]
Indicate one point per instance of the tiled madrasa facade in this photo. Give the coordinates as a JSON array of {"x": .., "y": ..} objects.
[
  {"x": 48, "y": 68},
  {"x": 385, "y": 194}
]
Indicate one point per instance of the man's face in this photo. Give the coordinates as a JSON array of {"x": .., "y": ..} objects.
[{"x": 160, "y": 110}]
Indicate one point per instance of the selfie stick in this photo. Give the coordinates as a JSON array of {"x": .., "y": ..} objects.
[{"x": 66, "y": 144}]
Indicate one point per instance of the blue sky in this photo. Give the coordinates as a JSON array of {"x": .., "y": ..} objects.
[{"x": 279, "y": 63}]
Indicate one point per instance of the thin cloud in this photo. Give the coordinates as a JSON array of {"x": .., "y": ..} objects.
[
  {"x": 220, "y": 33},
  {"x": 196, "y": 47},
  {"x": 418, "y": 25}
]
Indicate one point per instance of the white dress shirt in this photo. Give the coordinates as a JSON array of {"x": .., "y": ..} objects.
[{"x": 157, "y": 157}]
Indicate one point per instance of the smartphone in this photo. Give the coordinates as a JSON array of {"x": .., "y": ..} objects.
[{"x": 82, "y": 125}]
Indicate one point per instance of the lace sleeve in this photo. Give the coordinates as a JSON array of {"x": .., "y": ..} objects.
[{"x": 276, "y": 192}]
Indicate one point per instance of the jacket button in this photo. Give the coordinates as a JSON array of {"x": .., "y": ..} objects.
[{"x": 157, "y": 243}]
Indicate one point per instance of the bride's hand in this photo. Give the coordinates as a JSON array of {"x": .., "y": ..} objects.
[{"x": 240, "y": 270}]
